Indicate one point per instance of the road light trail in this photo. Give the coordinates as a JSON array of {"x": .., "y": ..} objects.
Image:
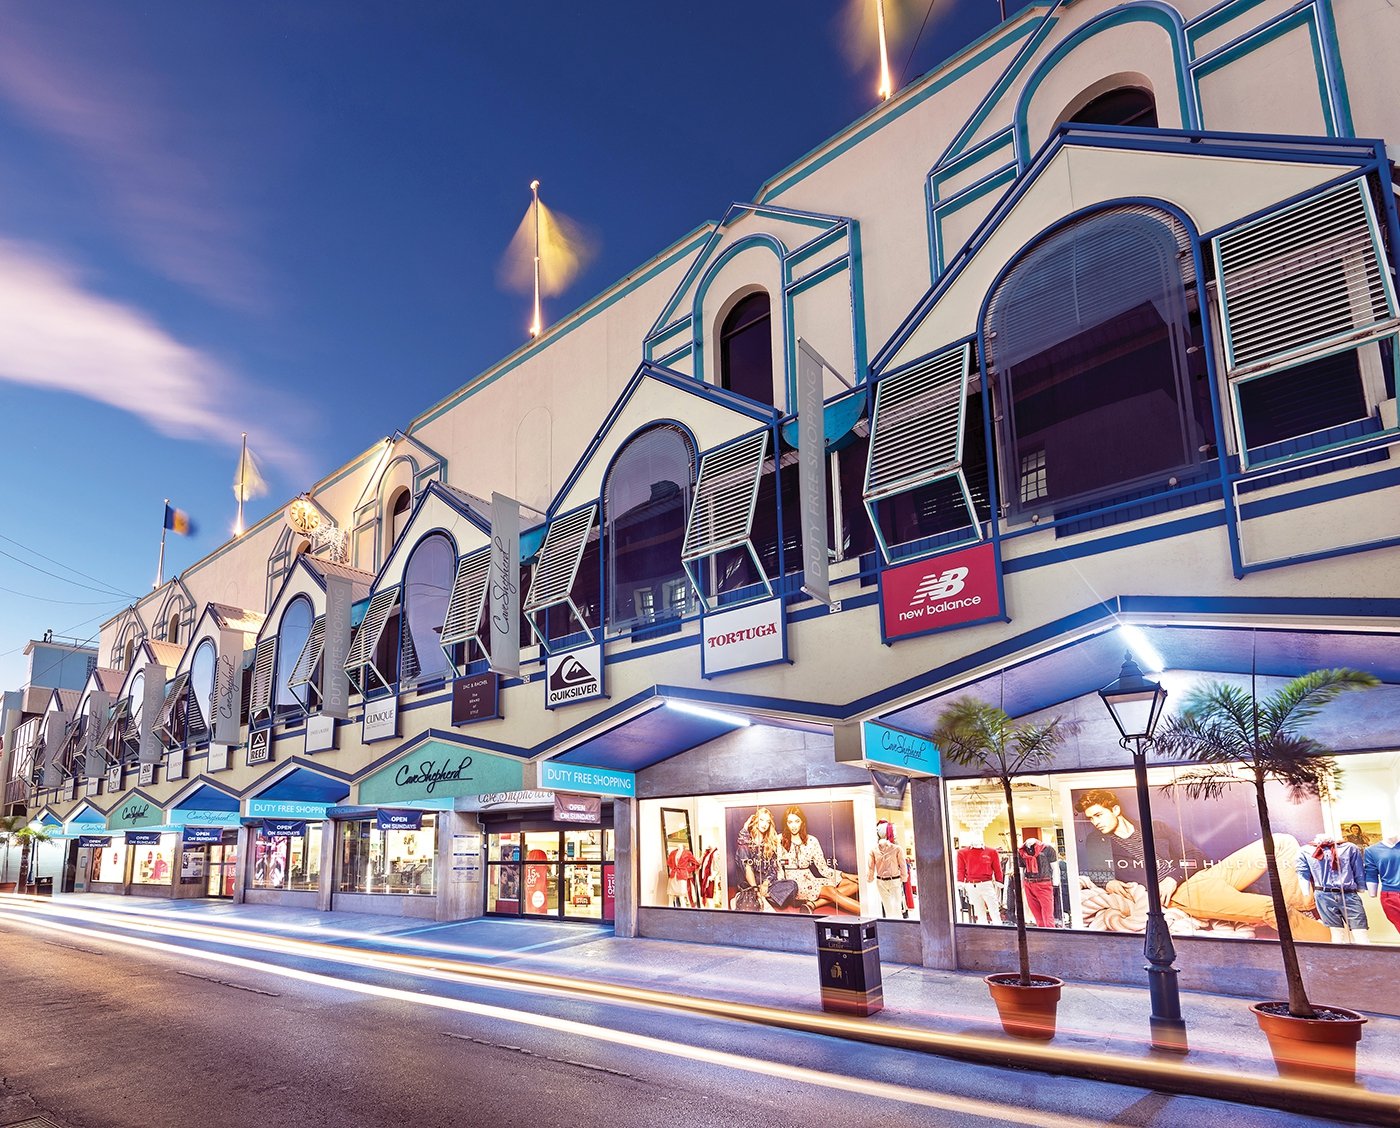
[
  {"x": 1175, "y": 1077},
  {"x": 883, "y": 1090}
]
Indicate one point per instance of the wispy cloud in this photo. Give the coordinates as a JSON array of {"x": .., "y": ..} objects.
[
  {"x": 56, "y": 333},
  {"x": 169, "y": 205}
]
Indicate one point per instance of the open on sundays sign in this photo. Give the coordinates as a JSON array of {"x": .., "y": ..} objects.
[{"x": 938, "y": 592}]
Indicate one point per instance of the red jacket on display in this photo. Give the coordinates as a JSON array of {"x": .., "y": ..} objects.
[{"x": 978, "y": 863}]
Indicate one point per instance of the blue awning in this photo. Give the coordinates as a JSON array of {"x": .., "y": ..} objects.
[
  {"x": 304, "y": 786},
  {"x": 654, "y": 736},
  {"x": 206, "y": 798},
  {"x": 837, "y": 420}
]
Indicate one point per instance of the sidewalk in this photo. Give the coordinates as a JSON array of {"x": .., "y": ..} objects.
[{"x": 1093, "y": 1017}]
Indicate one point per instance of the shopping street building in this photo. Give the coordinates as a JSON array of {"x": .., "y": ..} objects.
[{"x": 1083, "y": 342}]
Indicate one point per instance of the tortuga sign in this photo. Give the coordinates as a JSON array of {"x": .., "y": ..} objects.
[
  {"x": 940, "y": 592},
  {"x": 748, "y": 636}
]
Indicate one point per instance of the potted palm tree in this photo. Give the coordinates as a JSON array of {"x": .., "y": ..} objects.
[
  {"x": 1222, "y": 728},
  {"x": 10, "y": 826},
  {"x": 977, "y": 735},
  {"x": 28, "y": 837}
]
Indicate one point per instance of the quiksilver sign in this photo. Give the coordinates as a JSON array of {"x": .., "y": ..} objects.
[
  {"x": 575, "y": 676},
  {"x": 753, "y": 635}
]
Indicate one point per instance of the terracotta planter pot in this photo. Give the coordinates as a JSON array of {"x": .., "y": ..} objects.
[
  {"x": 1317, "y": 1048},
  {"x": 8, "y": 886},
  {"x": 1026, "y": 1012}
]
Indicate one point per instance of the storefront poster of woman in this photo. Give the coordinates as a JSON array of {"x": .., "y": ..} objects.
[
  {"x": 773, "y": 866},
  {"x": 1209, "y": 866}
]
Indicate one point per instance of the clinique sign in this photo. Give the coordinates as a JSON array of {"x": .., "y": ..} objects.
[{"x": 381, "y": 720}]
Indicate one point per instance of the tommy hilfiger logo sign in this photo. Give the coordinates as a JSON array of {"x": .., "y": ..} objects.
[{"x": 575, "y": 676}]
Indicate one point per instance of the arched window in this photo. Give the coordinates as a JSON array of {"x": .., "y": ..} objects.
[
  {"x": 292, "y": 634},
  {"x": 1126, "y": 105},
  {"x": 399, "y": 505},
  {"x": 746, "y": 349},
  {"x": 1094, "y": 337},
  {"x": 427, "y": 588},
  {"x": 172, "y": 629},
  {"x": 645, "y": 502},
  {"x": 135, "y": 706},
  {"x": 202, "y": 668},
  {"x": 128, "y": 653}
]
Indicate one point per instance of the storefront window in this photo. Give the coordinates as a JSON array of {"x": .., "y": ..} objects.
[
  {"x": 387, "y": 861},
  {"x": 827, "y": 852},
  {"x": 287, "y": 861},
  {"x": 153, "y": 865},
  {"x": 1081, "y": 853},
  {"x": 109, "y": 865}
]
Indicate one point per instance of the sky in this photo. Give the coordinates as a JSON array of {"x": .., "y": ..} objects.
[{"x": 290, "y": 218}]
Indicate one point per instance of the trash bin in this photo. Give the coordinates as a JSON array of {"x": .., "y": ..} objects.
[
  {"x": 848, "y": 962},
  {"x": 43, "y": 886}
]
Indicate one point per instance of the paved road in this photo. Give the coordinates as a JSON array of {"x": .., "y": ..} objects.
[{"x": 103, "y": 1030}]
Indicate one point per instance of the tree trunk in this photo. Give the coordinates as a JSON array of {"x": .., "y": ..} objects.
[
  {"x": 23, "y": 864},
  {"x": 1023, "y": 950},
  {"x": 1298, "y": 1005}
]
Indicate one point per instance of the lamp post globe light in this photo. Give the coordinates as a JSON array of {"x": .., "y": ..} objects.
[{"x": 1135, "y": 703}]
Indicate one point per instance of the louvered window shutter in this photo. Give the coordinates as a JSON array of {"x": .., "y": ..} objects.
[
  {"x": 1303, "y": 281},
  {"x": 552, "y": 581},
  {"x": 916, "y": 435},
  {"x": 165, "y": 718},
  {"x": 381, "y": 606},
  {"x": 303, "y": 673},
  {"x": 464, "y": 608},
  {"x": 260, "y": 696},
  {"x": 721, "y": 513}
]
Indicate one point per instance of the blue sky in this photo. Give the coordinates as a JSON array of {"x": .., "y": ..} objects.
[{"x": 288, "y": 219}]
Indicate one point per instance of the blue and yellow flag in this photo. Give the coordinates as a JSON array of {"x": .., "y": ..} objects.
[{"x": 178, "y": 521}]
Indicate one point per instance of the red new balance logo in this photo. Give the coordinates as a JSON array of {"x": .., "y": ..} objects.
[{"x": 939, "y": 585}]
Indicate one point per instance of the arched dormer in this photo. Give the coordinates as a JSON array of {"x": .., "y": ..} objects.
[
  {"x": 1125, "y": 100},
  {"x": 403, "y": 463},
  {"x": 744, "y": 342}
]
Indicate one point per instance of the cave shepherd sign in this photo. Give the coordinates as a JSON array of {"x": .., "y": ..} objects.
[
  {"x": 952, "y": 590},
  {"x": 748, "y": 636},
  {"x": 574, "y": 676},
  {"x": 435, "y": 770}
]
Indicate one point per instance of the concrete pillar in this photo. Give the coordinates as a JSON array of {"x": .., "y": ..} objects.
[
  {"x": 625, "y": 867},
  {"x": 934, "y": 868},
  {"x": 243, "y": 866},
  {"x": 461, "y": 870},
  {"x": 330, "y": 832}
]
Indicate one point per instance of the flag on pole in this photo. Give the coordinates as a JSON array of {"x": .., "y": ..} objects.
[
  {"x": 247, "y": 482},
  {"x": 178, "y": 521}
]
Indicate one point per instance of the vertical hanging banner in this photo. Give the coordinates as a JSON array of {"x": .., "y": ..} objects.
[
  {"x": 152, "y": 698},
  {"x": 335, "y": 682},
  {"x": 505, "y": 585},
  {"x": 99, "y": 703},
  {"x": 228, "y": 689},
  {"x": 55, "y": 728},
  {"x": 811, "y": 473}
]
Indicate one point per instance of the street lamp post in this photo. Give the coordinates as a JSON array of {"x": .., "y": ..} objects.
[{"x": 1135, "y": 703}]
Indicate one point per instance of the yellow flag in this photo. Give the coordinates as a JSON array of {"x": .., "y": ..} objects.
[{"x": 247, "y": 482}]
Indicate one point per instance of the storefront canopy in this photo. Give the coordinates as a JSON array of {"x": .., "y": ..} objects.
[
  {"x": 656, "y": 735},
  {"x": 305, "y": 786}
]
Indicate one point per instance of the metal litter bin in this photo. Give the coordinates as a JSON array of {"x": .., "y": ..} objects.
[
  {"x": 848, "y": 962},
  {"x": 43, "y": 886}
]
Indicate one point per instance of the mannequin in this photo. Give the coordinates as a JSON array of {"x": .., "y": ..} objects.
[
  {"x": 980, "y": 875},
  {"x": 887, "y": 868},
  {"x": 1335, "y": 869},
  {"x": 1382, "y": 871},
  {"x": 1037, "y": 861}
]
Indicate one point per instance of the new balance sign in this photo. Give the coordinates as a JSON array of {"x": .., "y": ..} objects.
[
  {"x": 752, "y": 635},
  {"x": 575, "y": 676},
  {"x": 942, "y": 591}
]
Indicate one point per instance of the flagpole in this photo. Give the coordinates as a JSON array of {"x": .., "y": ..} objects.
[
  {"x": 160, "y": 565},
  {"x": 242, "y": 477},
  {"x": 536, "y": 326},
  {"x": 886, "y": 86}
]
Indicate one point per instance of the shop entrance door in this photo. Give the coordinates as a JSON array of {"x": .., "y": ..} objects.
[
  {"x": 221, "y": 868},
  {"x": 551, "y": 874}
]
